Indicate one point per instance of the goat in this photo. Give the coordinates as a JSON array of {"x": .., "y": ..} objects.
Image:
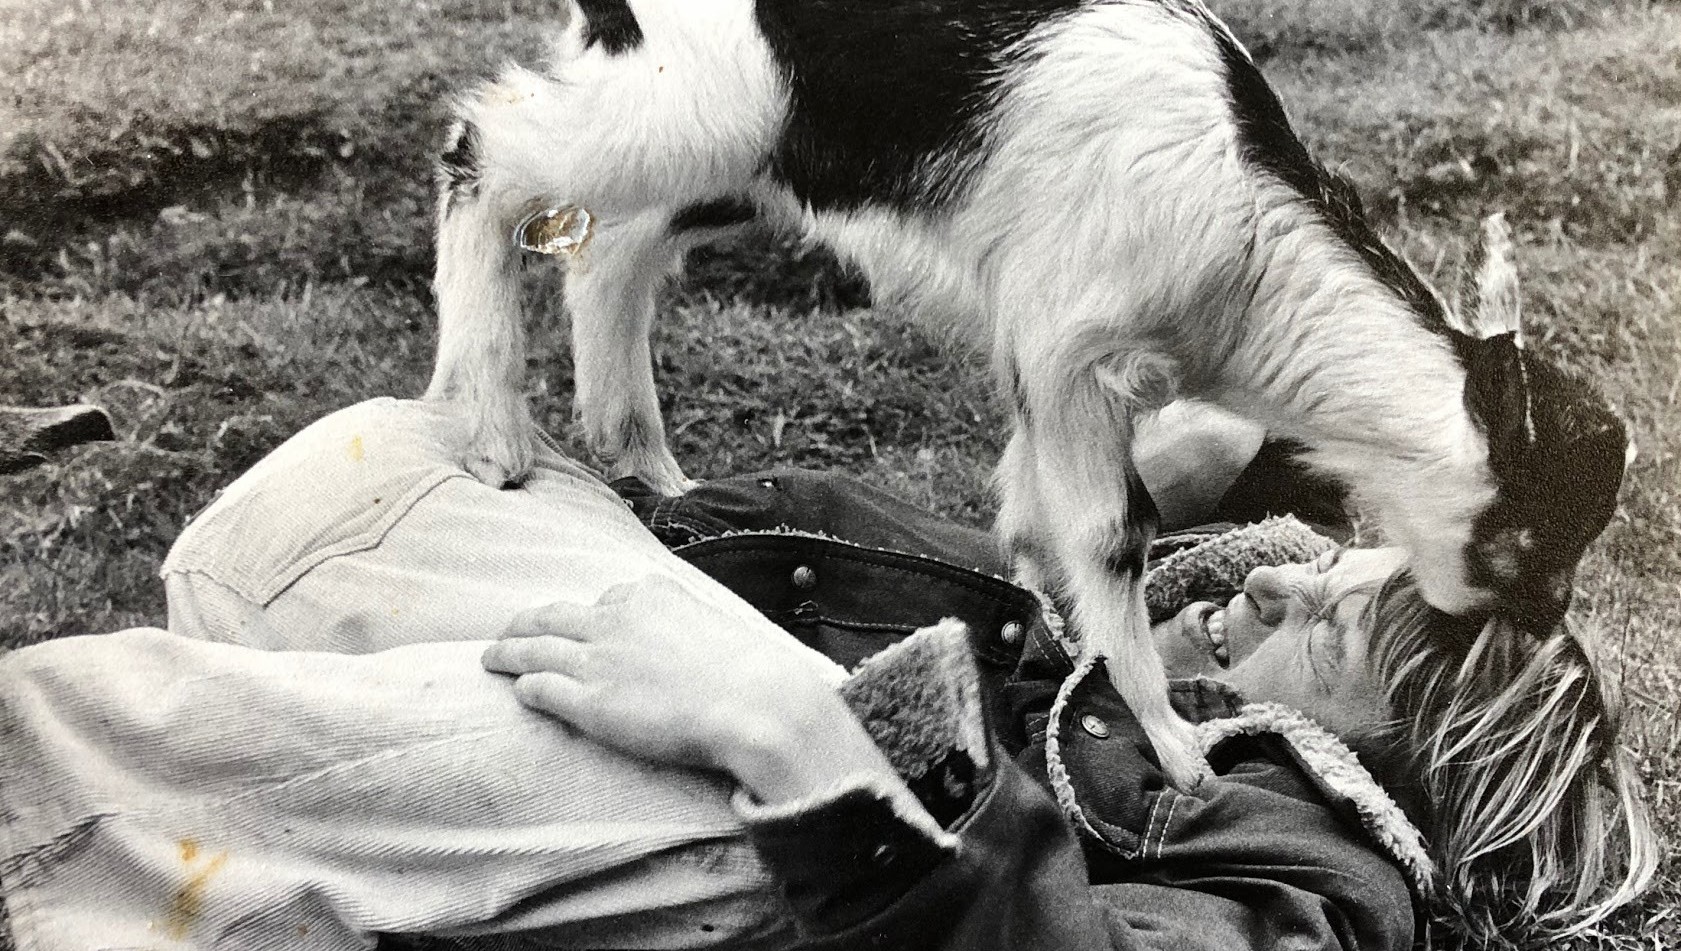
[{"x": 1103, "y": 195}]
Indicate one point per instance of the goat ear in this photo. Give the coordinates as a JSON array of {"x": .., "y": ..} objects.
[
  {"x": 1498, "y": 309},
  {"x": 1497, "y": 394},
  {"x": 1497, "y": 380}
]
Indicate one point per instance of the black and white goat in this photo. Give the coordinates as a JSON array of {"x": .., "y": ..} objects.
[{"x": 1104, "y": 195}]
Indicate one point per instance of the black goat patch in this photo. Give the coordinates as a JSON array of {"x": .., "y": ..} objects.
[
  {"x": 1126, "y": 558},
  {"x": 612, "y": 24},
  {"x": 1018, "y": 396},
  {"x": 459, "y": 170},
  {"x": 890, "y": 97},
  {"x": 1271, "y": 145},
  {"x": 717, "y": 213},
  {"x": 1129, "y": 548}
]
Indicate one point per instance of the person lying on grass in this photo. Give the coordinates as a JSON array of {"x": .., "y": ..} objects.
[{"x": 395, "y": 702}]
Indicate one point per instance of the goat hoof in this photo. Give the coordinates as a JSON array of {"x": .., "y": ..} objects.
[
  {"x": 495, "y": 474},
  {"x": 1182, "y": 763},
  {"x": 501, "y": 456},
  {"x": 663, "y": 475}
]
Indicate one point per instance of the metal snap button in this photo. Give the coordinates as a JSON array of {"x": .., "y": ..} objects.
[
  {"x": 805, "y": 578},
  {"x": 1012, "y": 633},
  {"x": 1094, "y": 725}
]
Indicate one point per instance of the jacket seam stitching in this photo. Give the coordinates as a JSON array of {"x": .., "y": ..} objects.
[
  {"x": 1150, "y": 823},
  {"x": 792, "y": 617},
  {"x": 263, "y": 591},
  {"x": 1173, "y": 807}
]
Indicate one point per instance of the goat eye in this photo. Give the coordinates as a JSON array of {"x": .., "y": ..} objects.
[
  {"x": 1500, "y": 555},
  {"x": 1525, "y": 539}
]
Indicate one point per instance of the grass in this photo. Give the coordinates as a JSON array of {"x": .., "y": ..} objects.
[{"x": 214, "y": 220}]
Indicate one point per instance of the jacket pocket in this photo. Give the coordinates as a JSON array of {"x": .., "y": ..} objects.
[{"x": 334, "y": 489}]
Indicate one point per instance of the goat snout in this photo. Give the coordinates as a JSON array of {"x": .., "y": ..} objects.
[
  {"x": 1445, "y": 583},
  {"x": 1540, "y": 602}
]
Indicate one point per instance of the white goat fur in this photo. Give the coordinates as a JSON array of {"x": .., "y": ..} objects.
[{"x": 1112, "y": 251}]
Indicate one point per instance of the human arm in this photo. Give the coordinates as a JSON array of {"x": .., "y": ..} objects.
[
  {"x": 650, "y": 670},
  {"x": 1204, "y": 465},
  {"x": 656, "y": 674}
]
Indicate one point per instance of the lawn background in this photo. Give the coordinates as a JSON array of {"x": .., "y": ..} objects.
[{"x": 215, "y": 221}]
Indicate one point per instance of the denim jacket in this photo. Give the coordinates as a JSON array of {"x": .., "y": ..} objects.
[{"x": 1057, "y": 829}]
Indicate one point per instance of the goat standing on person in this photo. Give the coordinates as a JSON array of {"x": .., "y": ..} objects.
[{"x": 1105, "y": 196}]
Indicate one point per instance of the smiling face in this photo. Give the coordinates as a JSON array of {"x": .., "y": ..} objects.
[{"x": 1297, "y": 635}]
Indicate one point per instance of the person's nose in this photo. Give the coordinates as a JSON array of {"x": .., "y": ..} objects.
[{"x": 1267, "y": 588}]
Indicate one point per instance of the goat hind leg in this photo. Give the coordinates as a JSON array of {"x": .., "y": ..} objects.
[
  {"x": 521, "y": 148},
  {"x": 610, "y": 292},
  {"x": 481, "y": 331}
]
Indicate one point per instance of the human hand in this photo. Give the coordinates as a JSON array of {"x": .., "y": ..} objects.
[{"x": 655, "y": 672}]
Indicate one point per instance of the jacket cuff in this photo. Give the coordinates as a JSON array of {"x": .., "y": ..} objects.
[{"x": 845, "y": 854}]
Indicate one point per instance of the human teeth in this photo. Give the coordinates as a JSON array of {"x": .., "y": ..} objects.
[{"x": 1215, "y": 626}]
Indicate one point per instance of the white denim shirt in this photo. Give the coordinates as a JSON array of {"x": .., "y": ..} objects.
[{"x": 181, "y": 790}]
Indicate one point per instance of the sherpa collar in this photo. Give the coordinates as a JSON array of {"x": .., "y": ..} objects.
[{"x": 1327, "y": 762}]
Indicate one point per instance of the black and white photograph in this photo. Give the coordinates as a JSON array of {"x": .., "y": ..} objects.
[{"x": 965, "y": 475}]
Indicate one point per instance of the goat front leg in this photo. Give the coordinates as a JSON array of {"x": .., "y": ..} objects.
[
  {"x": 1020, "y": 526},
  {"x": 1095, "y": 521},
  {"x": 610, "y": 291}
]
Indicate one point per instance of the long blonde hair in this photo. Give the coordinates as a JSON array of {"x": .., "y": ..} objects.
[{"x": 1506, "y": 746}]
